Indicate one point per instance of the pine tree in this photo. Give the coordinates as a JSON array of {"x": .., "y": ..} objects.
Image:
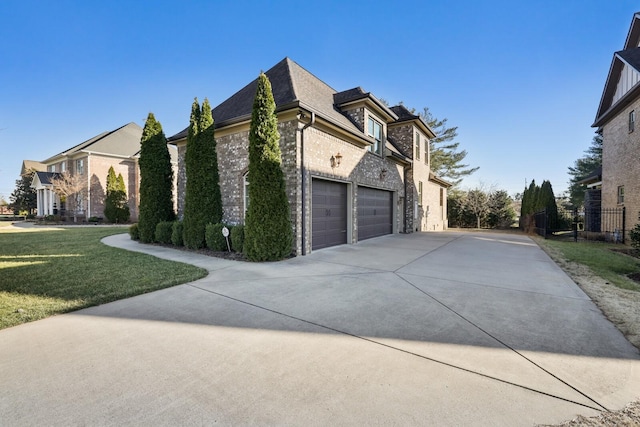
[
  {"x": 268, "y": 232},
  {"x": 445, "y": 157},
  {"x": 203, "y": 200},
  {"x": 156, "y": 180},
  {"x": 23, "y": 198},
  {"x": 582, "y": 168}
]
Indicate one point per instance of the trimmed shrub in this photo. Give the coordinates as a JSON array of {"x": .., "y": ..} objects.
[
  {"x": 215, "y": 240},
  {"x": 164, "y": 231},
  {"x": 202, "y": 200},
  {"x": 268, "y": 232},
  {"x": 237, "y": 238},
  {"x": 634, "y": 236},
  {"x": 177, "y": 233},
  {"x": 134, "y": 232},
  {"x": 156, "y": 179}
]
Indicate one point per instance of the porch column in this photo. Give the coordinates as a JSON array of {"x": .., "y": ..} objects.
[
  {"x": 39, "y": 202},
  {"x": 51, "y": 194}
]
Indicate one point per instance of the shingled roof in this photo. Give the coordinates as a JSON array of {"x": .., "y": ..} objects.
[
  {"x": 292, "y": 86},
  {"x": 404, "y": 115},
  {"x": 123, "y": 141}
]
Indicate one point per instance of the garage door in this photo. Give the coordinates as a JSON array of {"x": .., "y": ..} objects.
[
  {"x": 329, "y": 214},
  {"x": 374, "y": 213}
]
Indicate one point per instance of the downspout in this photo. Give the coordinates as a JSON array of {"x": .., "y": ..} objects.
[
  {"x": 406, "y": 196},
  {"x": 304, "y": 183}
]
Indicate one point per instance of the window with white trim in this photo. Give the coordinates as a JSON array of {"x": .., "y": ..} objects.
[
  {"x": 417, "y": 146},
  {"x": 63, "y": 166},
  {"x": 374, "y": 130},
  {"x": 80, "y": 166},
  {"x": 420, "y": 193},
  {"x": 621, "y": 194}
]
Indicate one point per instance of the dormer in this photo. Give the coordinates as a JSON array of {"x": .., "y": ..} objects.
[
  {"x": 411, "y": 133},
  {"x": 368, "y": 113}
]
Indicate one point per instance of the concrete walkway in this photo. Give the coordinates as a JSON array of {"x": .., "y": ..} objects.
[{"x": 422, "y": 329}]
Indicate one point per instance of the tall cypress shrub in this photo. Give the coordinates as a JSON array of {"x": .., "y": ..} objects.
[
  {"x": 268, "y": 233},
  {"x": 115, "y": 205},
  {"x": 156, "y": 180},
  {"x": 203, "y": 201},
  {"x": 547, "y": 200}
]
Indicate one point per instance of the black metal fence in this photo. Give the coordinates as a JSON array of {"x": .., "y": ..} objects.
[{"x": 601, "y": 224}]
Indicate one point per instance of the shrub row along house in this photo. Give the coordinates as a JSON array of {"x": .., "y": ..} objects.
[
  {"x": 616, "y": 120},
  {"x": 354, "y": 167}
]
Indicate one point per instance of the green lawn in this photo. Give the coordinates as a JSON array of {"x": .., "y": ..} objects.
[
  {"x": 611, "y": 266},
  {"x": 43, "y": 273}
]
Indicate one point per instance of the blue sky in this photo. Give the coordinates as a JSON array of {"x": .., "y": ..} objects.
[{"x": 520, "y": 80}]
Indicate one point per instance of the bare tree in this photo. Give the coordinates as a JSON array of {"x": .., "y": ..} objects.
[{"x": 71, "y": 189}]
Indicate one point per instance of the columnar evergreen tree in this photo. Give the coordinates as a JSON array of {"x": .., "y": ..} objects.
[
  {"x": 268, "y": 232},
  {"x": 115, "y": 205},
  {"x": 547, "y": 200},
  {"x": 203, "y": 200},
  {"x": 156, "y": 180}
]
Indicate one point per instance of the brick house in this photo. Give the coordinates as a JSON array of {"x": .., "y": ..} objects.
[
  {"x": 616, "y": 120},
  {"x": 92, "y": 159},
  {"x": 354, "y": 168}
]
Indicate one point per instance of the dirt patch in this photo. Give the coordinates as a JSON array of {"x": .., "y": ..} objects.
[
  {"x": 629, "y": 416},
  {"x": 620, "y": 306}
]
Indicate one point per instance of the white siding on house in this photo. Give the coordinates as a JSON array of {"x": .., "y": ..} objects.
[{"x": 628, "y": 78}]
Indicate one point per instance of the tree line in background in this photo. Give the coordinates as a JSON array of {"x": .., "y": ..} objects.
[
  {"x": 535, "y": 199},
  {"x": 480, "y": 208}
]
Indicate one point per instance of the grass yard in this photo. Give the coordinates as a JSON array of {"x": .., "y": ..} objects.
[
  {"x": 49, "y": 272},
  {"x": 599, "y": 257}
]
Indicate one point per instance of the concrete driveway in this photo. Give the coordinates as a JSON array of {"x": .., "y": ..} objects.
[{"x": 422, "y": 329}]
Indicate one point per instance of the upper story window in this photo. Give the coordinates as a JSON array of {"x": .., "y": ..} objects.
[
  {"x": 80, "y": 166},
  {"x": 417, "y": 146},
  {"x": 621, "y": 195},
  {"x": 51, "y": 168},
  {"x": 63, "y": 167},
  {"x": 632, "y": 121},
  {"x": 374, "y": 130},
  {"x": 426, "y": 151}
]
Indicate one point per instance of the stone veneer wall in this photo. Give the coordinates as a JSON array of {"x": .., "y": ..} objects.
[
  {"x": 358, "y": 167},
  {"x": 620, "y": 154},
  {"x": 233, "y": 164}
]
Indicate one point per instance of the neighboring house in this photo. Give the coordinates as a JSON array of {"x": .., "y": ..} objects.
[
  {"x": 354, "y": 168},
  {"x": 616, "y": 118},
  {"x": 91, "y": 160}
]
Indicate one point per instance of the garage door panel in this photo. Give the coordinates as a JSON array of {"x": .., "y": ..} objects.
[
  {"x": 374, "y": 213},
  {"x": 329, "y": 214}
]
